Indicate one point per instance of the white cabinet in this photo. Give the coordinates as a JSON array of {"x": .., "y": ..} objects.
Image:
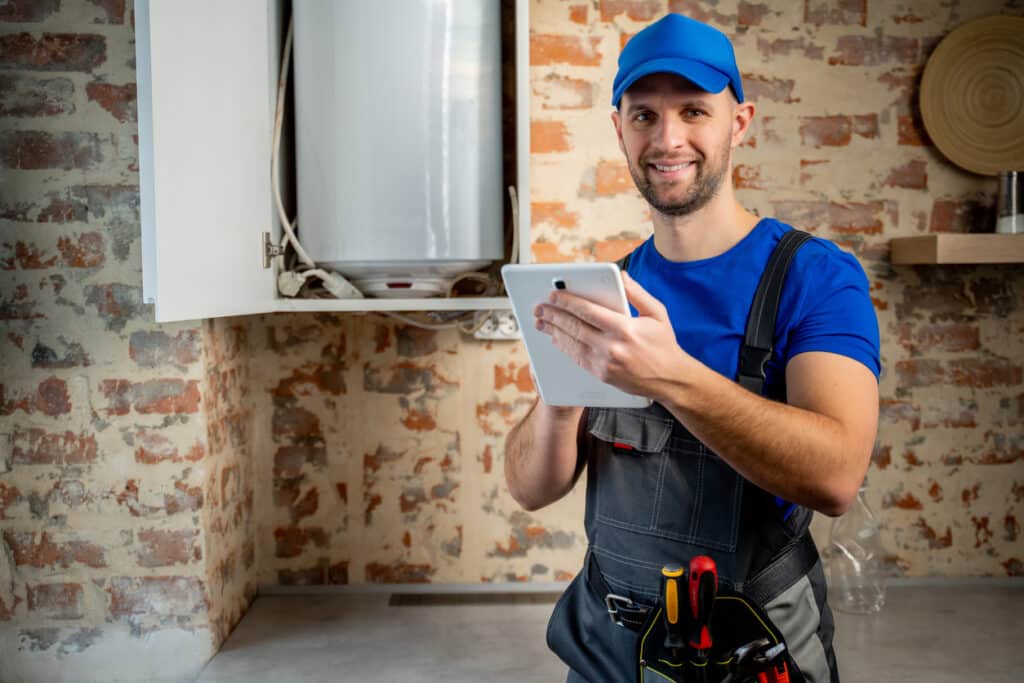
[{"x": 207, "y": 81}]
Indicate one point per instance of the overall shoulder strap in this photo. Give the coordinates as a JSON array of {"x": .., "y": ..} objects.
[
  {"x": 757, "y": 341},
  {"x": 623, "y": 262}
]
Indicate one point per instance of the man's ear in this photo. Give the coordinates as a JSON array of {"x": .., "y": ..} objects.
[
  {"x": 617, "y": 122},
  {"x": 742, "y": 117}
]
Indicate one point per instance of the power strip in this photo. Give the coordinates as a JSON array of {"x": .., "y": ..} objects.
[{"x": 496, "y": 326}]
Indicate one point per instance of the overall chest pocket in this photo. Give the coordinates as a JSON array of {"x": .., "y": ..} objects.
[{"x": 653, "y": 477}]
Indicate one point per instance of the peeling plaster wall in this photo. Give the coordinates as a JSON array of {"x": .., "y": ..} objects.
[
  {"x": 125, "y": 483},
  {"x": 382, "y": 449}
]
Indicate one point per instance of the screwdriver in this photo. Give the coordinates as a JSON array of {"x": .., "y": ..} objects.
[
  {"x": 672, "y": 575},
  {"x": 703, "y": 584}
]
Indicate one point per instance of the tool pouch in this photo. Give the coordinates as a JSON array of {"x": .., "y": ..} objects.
[{"x": 736, "y": 620}]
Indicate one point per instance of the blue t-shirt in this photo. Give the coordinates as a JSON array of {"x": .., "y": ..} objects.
[{"x": 825, "y": 305}]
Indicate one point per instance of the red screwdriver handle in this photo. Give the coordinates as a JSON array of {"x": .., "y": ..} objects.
[{"x": 703, "y": 587}]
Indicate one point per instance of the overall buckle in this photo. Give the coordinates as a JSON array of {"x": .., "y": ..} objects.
[{"x": 613, "y": 602}]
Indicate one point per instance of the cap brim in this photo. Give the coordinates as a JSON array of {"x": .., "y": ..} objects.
[{"x": 701, "y": 75}]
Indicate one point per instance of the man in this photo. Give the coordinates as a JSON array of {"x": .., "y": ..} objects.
[{"x": 711, "y": 468}]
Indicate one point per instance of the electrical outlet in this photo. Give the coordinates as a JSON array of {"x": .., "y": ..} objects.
[{"x": 497, "y": 326}]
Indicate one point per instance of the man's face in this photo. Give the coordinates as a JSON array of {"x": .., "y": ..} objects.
[{"x": 677, "y": 140}]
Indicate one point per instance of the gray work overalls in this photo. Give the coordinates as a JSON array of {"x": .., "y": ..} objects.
[{"x": 656, "y": 495}]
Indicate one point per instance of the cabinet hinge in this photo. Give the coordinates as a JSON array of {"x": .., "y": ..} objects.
[{"x": 270, "y": 250}]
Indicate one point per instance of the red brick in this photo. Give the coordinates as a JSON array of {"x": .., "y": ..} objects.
[
  {"x": 825, "y": 131},
  {"x": 866, "y": 125},
  {"x": 746, "y": 177},
  {"x": 949, "y": 215},
  {"x": 398, "y": 572},
  {"x": 953, "y": 337},
  {"x": 836, "y": 12},
  {"x": 162, "y": 396},
  {"x": 156, "y": 348},
  {"x": 766, "y": 88},
  {"x": 86, "y": 251},
  {"x": 517, "y": 376},
  {"x": 893, "y": 411},
  {"x": 37, "y": 150},
  {"x": 749, "y": 14},
  {"x": 912, "y": 132},
  {"x": 25, "y": 96},
  {"x": 53, "y": 51},
  {"x": 185, "y": 498},
  {"x": 698, "y": 9},
  {"x": 50, "y": 398},
  {"x": 56, "y": 600},
  {"x": 547, "y": 137},
  {"x": 419, "y": 420},
  {"x": 935, "y": 542},
  {"x": 153, "y": 447},
  {"x": 553, "y": 213},
  {"x": 17, "y": 307},
  {"x": 27, "y": 256},
  {"x": 116, "y": 303},
  {"x": 882, "y": 457},
  {"x": 294, "y": 422},
  {"x": 547, "y": 49},
  {"x": 28, "y": 10},
  {"x": 37, "y": 447},
  {"x": 292, "y": 541},
  {"x": 903, "y": 83},
  {"x": 562, "y": 92},
  {"x": 166, "y": 595},
  {"x": 9, "y": 497},
  {"x": 119, "y": 100},
  {"x": 548, "y": 252},
  {"x": 860, "y": 218},
  {"x": 907, "y": 501},
  {"x": 74, "y": 356},
  {"x": 578, "y": 14},
  {"x": 911, "y": 175},
  {"x": 77, "y": 203},
  {"x": 637, "y": 10},
  {"x": 613, "y": 178},
  {"x": 45, "y": 554},
  {"x": 289, "y": 461},
  {"x": 608, "y": 251},
  {"x": 164, "y": 548},
  {"x": 856, "y": 50},
  {"x": 983, "y": 373},
  {"x": 920, "y": 373},
  {"x": 783, "y": 47}
]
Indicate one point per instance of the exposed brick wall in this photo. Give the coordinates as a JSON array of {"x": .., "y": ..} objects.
[
  {"x": 124, "y": 508},
  {"x": 385, "y": 442}
]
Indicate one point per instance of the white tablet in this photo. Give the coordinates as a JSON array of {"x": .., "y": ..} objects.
[{"x": 560, "y": 381}]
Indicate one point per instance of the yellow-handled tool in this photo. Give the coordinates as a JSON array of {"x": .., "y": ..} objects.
[{"x": 673, "y": 591}]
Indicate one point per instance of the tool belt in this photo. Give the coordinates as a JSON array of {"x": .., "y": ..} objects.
[{"x": 737, "y": 620}]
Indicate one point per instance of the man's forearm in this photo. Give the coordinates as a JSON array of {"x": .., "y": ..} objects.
[
  {"x": 800, "y": 455},
  {"x": 541, "y": 455}
]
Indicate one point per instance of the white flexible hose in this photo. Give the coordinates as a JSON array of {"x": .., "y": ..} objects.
[{"x": 282, "y": 84}]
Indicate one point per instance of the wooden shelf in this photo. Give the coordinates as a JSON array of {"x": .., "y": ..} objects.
[{"x": 958, "y": 248}]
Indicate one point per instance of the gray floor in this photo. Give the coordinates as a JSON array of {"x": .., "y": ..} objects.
[{"x": 928, "y": 632}]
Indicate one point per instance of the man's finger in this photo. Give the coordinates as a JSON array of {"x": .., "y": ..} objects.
[
  {"x": 568, "y": 323},
  {"x": 593, "y": 314},
  {"x": 572, "y": 346},
  {"x": 644, "y": 303}
]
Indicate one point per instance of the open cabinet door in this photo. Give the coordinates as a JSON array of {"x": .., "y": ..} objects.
[{"x": 207, "y": 76}]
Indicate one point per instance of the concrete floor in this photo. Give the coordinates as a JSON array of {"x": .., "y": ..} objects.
[{"x": 934, "y": 632}]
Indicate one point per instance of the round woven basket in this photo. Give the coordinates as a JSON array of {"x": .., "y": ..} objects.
[{"x": 972, "y": 95}]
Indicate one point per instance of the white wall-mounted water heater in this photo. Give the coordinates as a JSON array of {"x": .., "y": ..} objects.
[{"x": 399, "y": 140}]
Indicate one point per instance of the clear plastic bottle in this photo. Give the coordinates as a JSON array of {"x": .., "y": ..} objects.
[{"x": 854, "y": 558}]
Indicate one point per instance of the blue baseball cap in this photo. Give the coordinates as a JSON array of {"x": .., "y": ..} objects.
[{"x": 679, "y": 45}]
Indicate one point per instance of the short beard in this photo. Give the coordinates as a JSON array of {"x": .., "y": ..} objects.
[{"x": 705, "y": 187}]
